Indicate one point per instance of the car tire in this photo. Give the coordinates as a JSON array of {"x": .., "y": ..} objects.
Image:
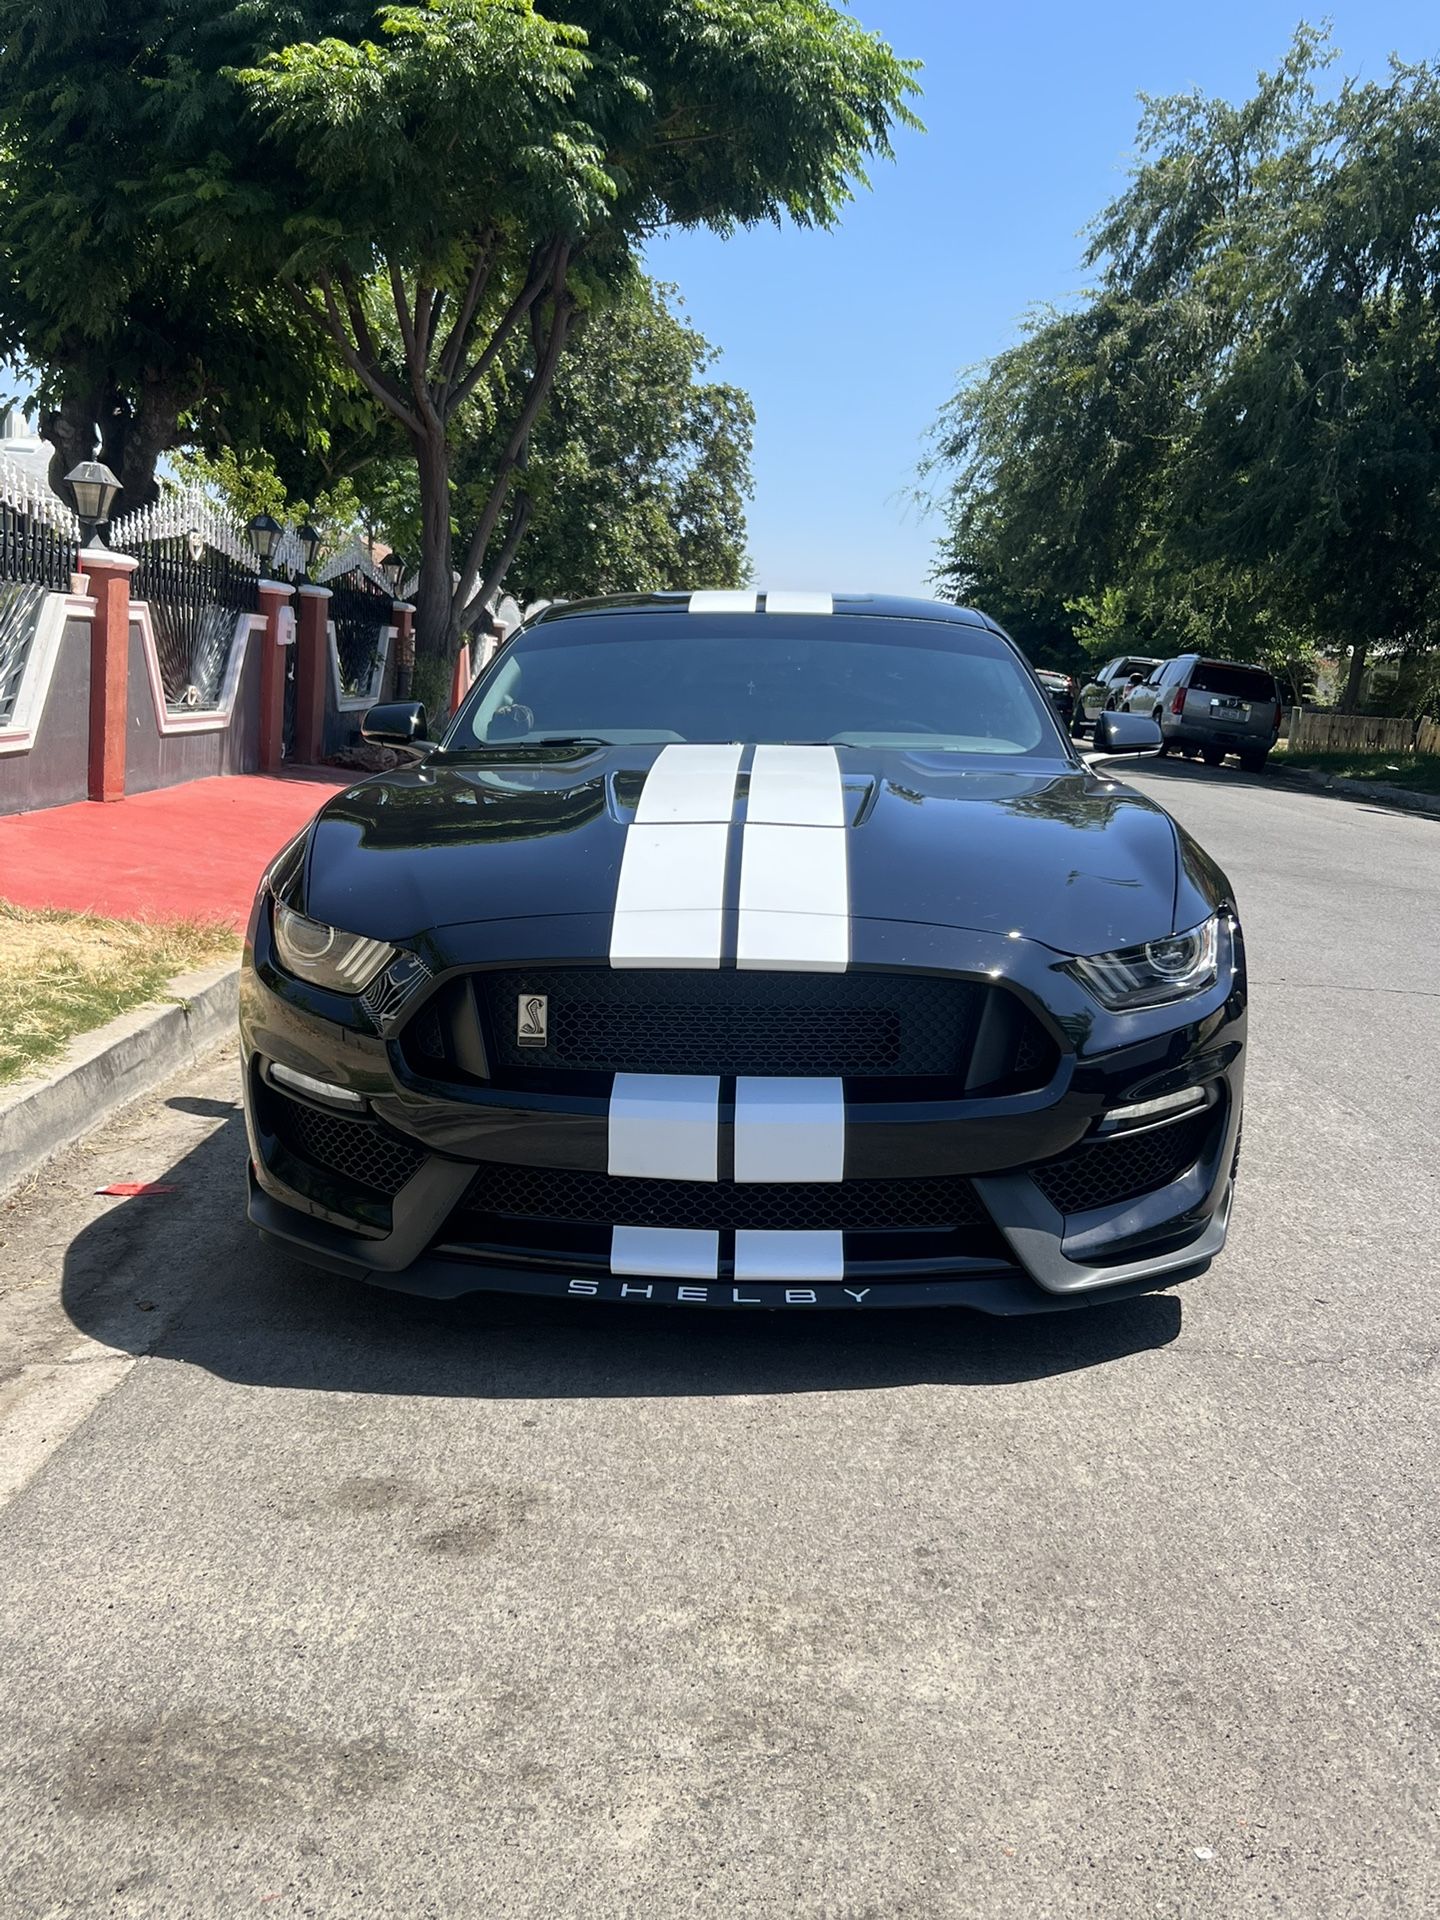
[
  {"x": 1212, "y": 756},
  {"x": 1190, "y": 750},
  {"x": 1254, "y": 762}
]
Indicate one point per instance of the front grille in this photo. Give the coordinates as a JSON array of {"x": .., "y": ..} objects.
[
  {"x": 360, "y": 1151},
  {"x": 597, "y": 1199},
  {"x": 851, "y": 1025},
  {"x": 1103, "y": 1175}
]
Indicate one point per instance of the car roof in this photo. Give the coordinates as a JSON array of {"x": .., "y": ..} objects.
[{"x": 884, "y": 606}]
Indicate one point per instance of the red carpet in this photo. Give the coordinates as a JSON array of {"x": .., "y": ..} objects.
[{"x": 192, "y": 852}]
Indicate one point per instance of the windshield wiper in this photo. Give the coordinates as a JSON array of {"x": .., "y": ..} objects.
[
  {"x": 568, "y": 740},
  {"x": 526, "y": 746}
]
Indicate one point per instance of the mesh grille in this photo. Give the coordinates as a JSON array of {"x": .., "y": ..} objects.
[
  {"x": 595, "y": 1199},
  {"x": 858, "y": 1025},
  {"x": 1123, "y": 1169},
  {"x": 358, "y": 1150}
]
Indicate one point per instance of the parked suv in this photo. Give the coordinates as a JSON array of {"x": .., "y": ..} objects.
[
  {"x": 1106, "y": 691},
  {"x": 1211, "y": 707}
]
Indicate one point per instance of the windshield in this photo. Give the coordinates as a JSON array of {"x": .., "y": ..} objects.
[{"x": 840, "y": 679}]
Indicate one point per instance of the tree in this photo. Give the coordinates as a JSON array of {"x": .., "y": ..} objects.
[
  {"x": 1234, "y": 439},
  {"x": 448, "y": 180},
  {"x": 639, "y": 468},
  {"x": 637, "y": 478},
  {"x": 133, "y": 343}
]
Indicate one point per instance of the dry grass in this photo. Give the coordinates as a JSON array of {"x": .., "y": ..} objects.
[{"x": 67, "y": 973}]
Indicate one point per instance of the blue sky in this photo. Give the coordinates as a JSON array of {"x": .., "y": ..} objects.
[{"x": 850, "y": 341}]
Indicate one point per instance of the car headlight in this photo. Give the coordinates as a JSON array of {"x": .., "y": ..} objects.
[
  {"x": 326, "y": 957},
  {"x": 1158, "y": 972}
]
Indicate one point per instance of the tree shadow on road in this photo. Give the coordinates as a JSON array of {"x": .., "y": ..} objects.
[
  {"x": 1195, "y": 773},
  {"x": 184, "y": 1277}
]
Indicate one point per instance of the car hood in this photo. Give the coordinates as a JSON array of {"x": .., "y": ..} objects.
[{"x": 1064, "y": 856}]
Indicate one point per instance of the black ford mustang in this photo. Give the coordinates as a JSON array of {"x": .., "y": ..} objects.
[{"x": 740, "y": 951}]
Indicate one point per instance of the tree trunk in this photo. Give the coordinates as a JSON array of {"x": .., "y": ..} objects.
[
  {"x": 71, "y": 428},
  {"x": 133, "y": 437},
  {"x": 1354, "y": 680},
  {"x": 437, "y": 631}
]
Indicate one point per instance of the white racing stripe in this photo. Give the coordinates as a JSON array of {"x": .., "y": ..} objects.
[
  {"x": 665, "y": 1126},
  {"x": 789, "y": 1256},
  {"x": 665, "y": 1253},
  {"x": 799, "y": 603},
  {"x": 723, "y": 600},
  {"x": 789, "y": 1130},
  {"x": 669, "y": 906},
  {"x": 796, "y": 787},
  {"x": 794, "y": 900},
  {"x": 690, "y": 786}
]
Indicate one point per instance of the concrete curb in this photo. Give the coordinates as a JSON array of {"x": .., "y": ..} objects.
[
  {"x": 104, "y": 1070},
  {"x": 1363, "y": 789}
]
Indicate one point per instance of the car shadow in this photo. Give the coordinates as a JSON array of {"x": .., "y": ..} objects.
[{"x": 189, "y": 1280}]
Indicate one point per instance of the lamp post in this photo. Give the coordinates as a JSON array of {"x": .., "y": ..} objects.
[
  {"x": 93, "y": 488},
  {"x": 396, "y": 567},
  {"x": 309, "y": 538},
  {"x": 264, "y": 532}
]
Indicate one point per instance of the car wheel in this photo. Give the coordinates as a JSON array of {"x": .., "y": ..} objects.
[
  {"x": 1254, "y": 762},
  {"x": 1212, "y": 756},
  {"x": 1190, "y": 750}
]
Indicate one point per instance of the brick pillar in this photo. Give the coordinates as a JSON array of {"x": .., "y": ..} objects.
[
  {"x": 274, "y": 603},
  {"x": 404, "y": 649},
  {"x": 312, "y": 665},
  {"x": 107, "y": 578}
]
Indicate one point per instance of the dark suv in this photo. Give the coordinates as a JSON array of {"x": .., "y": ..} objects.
[{"x": 1211, "y": 707}]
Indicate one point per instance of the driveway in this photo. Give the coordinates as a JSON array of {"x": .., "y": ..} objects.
[{"x": 315, "y": 1601}]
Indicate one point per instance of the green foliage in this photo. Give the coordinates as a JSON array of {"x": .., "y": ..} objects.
[
  {"x": 1233, "y": 441},
  {"x": 638, "y": 471},
  {"x": 133, "y": 342},
  {"x": 300, "y": 234},
  {"x": 447, "y": 189},
  {"x": 640, "y": 467}
]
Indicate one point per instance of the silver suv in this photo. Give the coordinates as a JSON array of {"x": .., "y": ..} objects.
[{"x": 1211, "y": 707}]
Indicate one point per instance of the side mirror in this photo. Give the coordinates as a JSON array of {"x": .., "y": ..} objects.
[
  {"x": 399, "y": 723},
  {"x": 1126, "y": 733}
]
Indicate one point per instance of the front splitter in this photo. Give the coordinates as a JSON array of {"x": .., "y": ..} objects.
[{"x": 437, "y": 1277}]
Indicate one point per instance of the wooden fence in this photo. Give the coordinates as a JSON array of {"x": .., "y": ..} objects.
[{"x": 1317, "y": 732}]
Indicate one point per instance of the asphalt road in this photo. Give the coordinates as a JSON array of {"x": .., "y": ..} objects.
[{"x": 323, "y": 1602}]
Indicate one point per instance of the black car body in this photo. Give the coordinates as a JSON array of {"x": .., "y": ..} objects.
[
  {"x": 813, "y": 1022},
  {"x": 1061, "y": 689}
]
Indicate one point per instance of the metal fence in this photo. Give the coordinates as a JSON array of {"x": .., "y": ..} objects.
[
  {"x": 362, "y": 615},
  {"x": 20, "y": 605},
  {"x": 39, "y": 535},
  {"x": 31, "y": 549},
  {"x": 195, "y": 600}
]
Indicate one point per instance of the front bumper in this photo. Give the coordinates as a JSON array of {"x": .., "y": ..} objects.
[{"x": 1027, "y": 1256}]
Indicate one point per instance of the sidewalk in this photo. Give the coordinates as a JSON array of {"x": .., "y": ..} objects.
[{"x": 190, "y": 852}]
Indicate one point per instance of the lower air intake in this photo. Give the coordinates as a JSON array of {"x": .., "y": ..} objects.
[
  {"x": 360, "y": 1151},
  {"x": 597, "y": 1199},
  {"x": 1116, "y": 1170}
]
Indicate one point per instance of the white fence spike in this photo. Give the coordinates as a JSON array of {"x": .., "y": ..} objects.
[{"x": 30, "y": 495}]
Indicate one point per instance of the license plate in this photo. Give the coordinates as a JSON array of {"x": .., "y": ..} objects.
[{"x": 1234, "y": 710}]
